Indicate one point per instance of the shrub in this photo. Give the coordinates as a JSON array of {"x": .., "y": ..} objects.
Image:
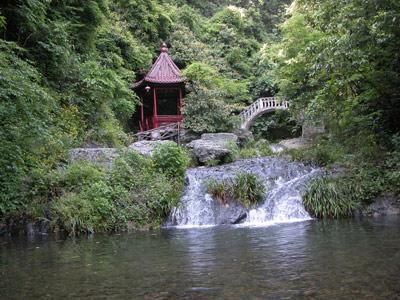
[
  {"x": 248, "y": 153},
  {"x": 234, "y": 153},
  {"x": 146, "y": 194},
  {"x": 331, "y": 197},
  {"x": 244, "y": 188},
  {"x": 247, "y": 189},
  {"x": 212, "y": 162},
  {"x": 134, "y": 190},
  {"x": 74, "y": 177},
  {"x": 255, "y": 149},
  {"x": 86, "y": 212},
  {"x": 171, "y": 159},
  {"x": 392, "y": 167},
  {"x": 220, "y": 190}
]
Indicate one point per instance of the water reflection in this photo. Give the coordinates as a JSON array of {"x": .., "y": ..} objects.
[{"x": 345, "y": 259}]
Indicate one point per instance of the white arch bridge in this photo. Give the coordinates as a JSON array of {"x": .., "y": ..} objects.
[{"x": 260, "y": 107}]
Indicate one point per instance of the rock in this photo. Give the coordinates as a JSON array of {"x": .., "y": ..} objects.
[
  {"x": 212, "y": 146},
  {"x": 146, "y": 147},
  {"x": 230, "y": 214},
  {"x": 208, "y": 150},
  {"x": 103, "y": 156},
  {"x": 382, "y": 206},
  {"x": 244, "y": 136},
  {"x": 296, "y": 143},
  {"x": 221, "y": 137},
  {"x": 186, "y": 136}
]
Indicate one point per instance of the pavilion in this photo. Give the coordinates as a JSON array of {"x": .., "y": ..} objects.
[{"x": 161, "y": 93}]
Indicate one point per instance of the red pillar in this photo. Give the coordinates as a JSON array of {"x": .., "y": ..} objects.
[
  {"x": 180, "y": 101},
  {"x": 155, "y": 121},
  {"x": 141, "y": 114}
]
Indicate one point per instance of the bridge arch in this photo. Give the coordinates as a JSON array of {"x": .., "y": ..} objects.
[{"x": 260, "y": 107}]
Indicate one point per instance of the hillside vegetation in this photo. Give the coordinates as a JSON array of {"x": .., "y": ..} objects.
[{"x": 66, "y": 68}]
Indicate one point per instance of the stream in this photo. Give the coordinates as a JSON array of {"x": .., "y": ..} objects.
[{"x": 275, "y": 251}]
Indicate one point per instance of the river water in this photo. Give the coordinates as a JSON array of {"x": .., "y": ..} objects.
[{"x": 346, "y": 259}]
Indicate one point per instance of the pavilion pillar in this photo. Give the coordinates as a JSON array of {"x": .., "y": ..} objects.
[
  {"x": 141, "y": 114},
  {"x": 180, "y": 102},
  {"x": 155, "y": 121}
]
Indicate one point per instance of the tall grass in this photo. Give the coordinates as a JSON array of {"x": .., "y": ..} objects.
[
  {"x": 331, "y": 197},
  {"x": 245, "y": 188}
]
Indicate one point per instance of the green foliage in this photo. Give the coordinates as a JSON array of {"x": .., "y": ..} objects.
[
  {"x": 205, "y": 111},
  {"x": 276, "y": 126},
  {"x": 337, "y": 63},
  {"x": 244, "y": 188},
  {"x": 29, "y": 136},
  {"x": 248, "y": 152},
  {"x": 220, "y": 190},
  {"x": 331, "y": 198},
  {"x": 234, "y": 153},
  {"x": 212, "y": 162},
  {"x": 90, "y": 199},
  {"x": 86, "y": 212},
  {"x": 323, "y": 152},
  {"x": 247, "y": 189},
  {"x": 171, "y": 159},
  {"x": 254, "y": 148},
  {"x": 392, "y": 166}
]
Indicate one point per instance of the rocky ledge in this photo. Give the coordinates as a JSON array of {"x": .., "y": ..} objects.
[{"x": 212, "y": 146}]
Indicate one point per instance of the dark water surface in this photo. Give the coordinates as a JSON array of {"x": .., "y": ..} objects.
[{"x": 309, "y": 260}]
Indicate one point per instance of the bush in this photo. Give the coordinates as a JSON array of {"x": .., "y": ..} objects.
[
  {"x": 74, "y": 177},
  {"x": 171, "y": 159},
  {"x": 244, "y": 188},
  {"x": 234, "y": 153},
  {"x": 247, "y": 189},
  {"x": 331, "y": 197},
  {"x": 248, "y": 153},
  {"x": 86, "y": 212},
  {"x": 220, "y": 190},
  {"x": 142, "y": 191},
  {"x": 135, "y": 190},
  {"x": 323, "y": 152},
  {"x": 252, "y": 149}
]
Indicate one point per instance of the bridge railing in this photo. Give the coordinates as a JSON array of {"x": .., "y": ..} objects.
[{"x": 260, "y": 105}]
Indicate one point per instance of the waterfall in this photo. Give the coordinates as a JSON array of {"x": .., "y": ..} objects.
[{"x": 284, "y": 181}]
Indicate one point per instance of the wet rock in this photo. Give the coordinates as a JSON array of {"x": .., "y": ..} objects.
[
  {"x": 231, "y": 213},
  {"x": 212, "y": 146},
  {"x": 146, "y": 147}
]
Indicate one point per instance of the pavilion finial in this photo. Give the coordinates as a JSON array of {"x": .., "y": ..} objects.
[{"x": 164, "y": 48}]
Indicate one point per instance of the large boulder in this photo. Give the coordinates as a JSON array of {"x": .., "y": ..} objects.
[
  {"x": 212, "y": 146},
  {"x": 221, "y": 137},
  {"x": 104, "y": 156},
  {"x": 146, "y": 147}
]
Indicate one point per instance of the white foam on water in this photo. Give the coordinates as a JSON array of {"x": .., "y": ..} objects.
[{"x": 284, "y": 181}]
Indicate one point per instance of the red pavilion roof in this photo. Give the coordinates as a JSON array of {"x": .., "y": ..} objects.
[{"x": 163, "y": 70}]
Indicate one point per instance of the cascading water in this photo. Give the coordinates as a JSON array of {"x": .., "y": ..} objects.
[{"x": 284, "y": 181}]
